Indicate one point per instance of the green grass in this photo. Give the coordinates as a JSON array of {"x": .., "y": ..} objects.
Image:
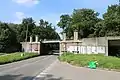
[
  {"x": 82, "y": 60},
  {"x": 13, "y": 57}
]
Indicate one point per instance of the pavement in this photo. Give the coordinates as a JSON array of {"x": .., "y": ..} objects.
[
  {"x": 50, "y": 68},
  {"x": 26, "y": 69},
  {"x": 64, "y": 71}
]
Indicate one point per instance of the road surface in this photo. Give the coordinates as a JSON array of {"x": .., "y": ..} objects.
[
  {"x": 49, "y": 68},
  {"x": 27, "y": 69},
  {"x": 62, "y": 71}
]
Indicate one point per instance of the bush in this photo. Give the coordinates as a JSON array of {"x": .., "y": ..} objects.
[
  {"x": 83, "y": 60},
  {"x": 8, "y": 58}
]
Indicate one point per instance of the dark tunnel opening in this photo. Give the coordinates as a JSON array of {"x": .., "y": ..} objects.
[
  {"x": 114, "y": 48},
  {"x": 49, "y": 49}
]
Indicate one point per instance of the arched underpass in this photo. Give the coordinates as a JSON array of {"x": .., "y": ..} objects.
[{"x": 49, "y": 48}]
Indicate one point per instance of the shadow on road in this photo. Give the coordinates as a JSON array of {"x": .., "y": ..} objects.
[
  {"x": 48, "y": 77},
  {"x": 9, "y": 77},
  {"x": 19, "y": 77}
]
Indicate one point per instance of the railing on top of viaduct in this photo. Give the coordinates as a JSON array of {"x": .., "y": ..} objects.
[{"x": 50, "y": 41}]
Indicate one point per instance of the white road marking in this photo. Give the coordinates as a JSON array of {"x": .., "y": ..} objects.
[
  {"x": 44, "y": 72},
  {"x": 1, "y": 73}
]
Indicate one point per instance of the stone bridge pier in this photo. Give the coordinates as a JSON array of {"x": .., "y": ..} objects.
[{"x": 32, "y": 46}]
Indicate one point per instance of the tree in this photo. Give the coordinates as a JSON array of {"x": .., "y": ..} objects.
[
  {"x": 64, "y": 22},
  {"x": 26, "y": 26},
  {"x": 41, "y": 23},
  {"x": 7, "y": 38},
  {"x": 100, "y": 29},
  {"x": 12, "y": 34},
  {"x": 84, "y": 21},
  {"x": 45, "y": 31},
  {"x": 51, "y": 33},
  {"x": 112, "y": 20}
]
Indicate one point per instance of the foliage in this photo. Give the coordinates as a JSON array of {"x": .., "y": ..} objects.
[
  {"x": 110, "y": 25},
  {"x": 82, "y": 20},
  {"x": 87, "y": 23},
  {"x": 112, "y": 20},
  {"x": 7, "y": 38},
  {"x": 13, "y": 57},
  {"x": 100, "y": 29},
  {"x": 26, "y": 27},
  {"x": 12, "y": 34},
  {"x": 85, "y": 20},
  {"x": 83, "y": 60},
  {"x": 45, "y": 30},
  {"x": 65, "y": 21}
]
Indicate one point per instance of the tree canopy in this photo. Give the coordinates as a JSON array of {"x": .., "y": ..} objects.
[
  {"x": 7, "y": 37},
  {"x": 88, "y": 23},
  {"x": 12, "y": 34}
]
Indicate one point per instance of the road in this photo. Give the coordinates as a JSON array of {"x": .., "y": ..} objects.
[
  {"x": 27, "y": 69},
  {"x": 63, "y": 71},
  {"x": 49, "y": 68}
]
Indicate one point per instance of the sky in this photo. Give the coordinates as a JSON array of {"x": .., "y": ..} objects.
[{"x": 15, "y": 10}]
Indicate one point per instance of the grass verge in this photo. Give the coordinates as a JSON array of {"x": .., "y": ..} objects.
[
  {"x": 13, "y": 57},
  {"x": 82, "y": 60}
]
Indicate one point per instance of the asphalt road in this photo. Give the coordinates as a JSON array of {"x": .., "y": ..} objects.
[
  {"x": 64, "y": 71},
  {"x": 27, "y": 69}
]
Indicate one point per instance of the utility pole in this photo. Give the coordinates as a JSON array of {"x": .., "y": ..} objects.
[
  {"x": 26, "y": 37},
  {"x": 26, "y": 33}
]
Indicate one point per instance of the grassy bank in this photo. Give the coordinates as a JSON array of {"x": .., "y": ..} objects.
[
  {"x": 13, "y": 57},
  {"x": 83, "y": 60}
]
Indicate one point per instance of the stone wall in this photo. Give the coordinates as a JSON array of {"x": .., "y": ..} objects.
[
  {"x": 84, "y": 46},
  {"x": 31, "y": 47},
  {"x": 89, "y": 45},
  {"x": 78, "y": 47},
  {"x": 98, "y": 41}
]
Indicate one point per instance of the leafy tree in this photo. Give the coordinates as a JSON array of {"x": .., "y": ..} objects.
[
  {"x": 64, "y": 22},
  {"x": 45, "y": 31},
  {"x": 112, "y": 20},
  {"x": 15, "y": 28},
  {"x": 7, "y": 38},
  {"x": 100, "y": 29},
  {"x": 41, "y": 23},
  {"x": 26, "y": 28},
  {"x": 12, "y": 34},
  {"x": 51, "y": 33},
  {"x": 84, "y": 21}
]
